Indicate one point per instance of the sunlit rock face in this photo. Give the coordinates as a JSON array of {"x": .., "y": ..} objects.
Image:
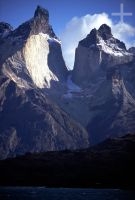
[{"x": 36, "y": 52}]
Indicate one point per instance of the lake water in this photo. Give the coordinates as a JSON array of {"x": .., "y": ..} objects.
[{"x": 42, "y": 193}]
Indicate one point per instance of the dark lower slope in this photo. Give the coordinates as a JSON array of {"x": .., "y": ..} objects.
[
  {"x": 30, "y": 122},
  {"x": 110, "y": 164}
]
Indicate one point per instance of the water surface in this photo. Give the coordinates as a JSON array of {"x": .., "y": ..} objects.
[{"x": 42, "y": 193}]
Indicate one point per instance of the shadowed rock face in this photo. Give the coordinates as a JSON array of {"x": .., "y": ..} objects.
[
  {"x": 41, "y": 12},
  {"x": 31, "y": 59},
  {"x": 132, "y": 50},
  {"x": 40, "y": 22},
  {"x": 32, "y": 123},
  {"x": 105, "y": 32}
]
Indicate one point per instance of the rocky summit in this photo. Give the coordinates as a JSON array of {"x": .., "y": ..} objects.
[{"x": 30, "y": 60}]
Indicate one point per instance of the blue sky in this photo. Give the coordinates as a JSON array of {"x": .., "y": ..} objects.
[
  {"x": 61, "y": 11},
  {"x": 72, "y": 20}
]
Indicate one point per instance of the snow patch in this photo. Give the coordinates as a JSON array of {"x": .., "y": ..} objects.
[
  {"x": 112, "y": 49},
  {"x": 72, "y": 88},
  {"x": 108, "y": 49},
  {"x": 50, "y": 39}
]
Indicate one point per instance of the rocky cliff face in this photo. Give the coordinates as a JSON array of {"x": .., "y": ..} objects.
[{"x": 31, "y": 60}]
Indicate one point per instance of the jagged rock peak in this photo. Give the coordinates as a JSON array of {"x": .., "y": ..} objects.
[
  {"x": 40, "y": 23},
  {"x": 105, "y": 31},
  {"x": 41, "y": 12},
  {"x": 103, "y": 34},
  {"x": 5, "y": 27},
  {"x": 94, "y": 36}
]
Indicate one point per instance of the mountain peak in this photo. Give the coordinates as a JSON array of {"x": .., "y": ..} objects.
[
  {"x": 105, "y": 31},
  {"x": 41, "y": 22},
  {"x": 105, "y": 28},
  {"x": 94, "y": 36},
  {"x": 41, "y": 12}
]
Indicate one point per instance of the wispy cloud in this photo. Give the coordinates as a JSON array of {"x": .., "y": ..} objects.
[{"x": 78, "y": 27}]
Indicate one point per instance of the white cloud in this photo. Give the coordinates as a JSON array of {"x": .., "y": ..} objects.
[
  {"x": 125, "y": 33},
  {"x": 78, "y": 27}
]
